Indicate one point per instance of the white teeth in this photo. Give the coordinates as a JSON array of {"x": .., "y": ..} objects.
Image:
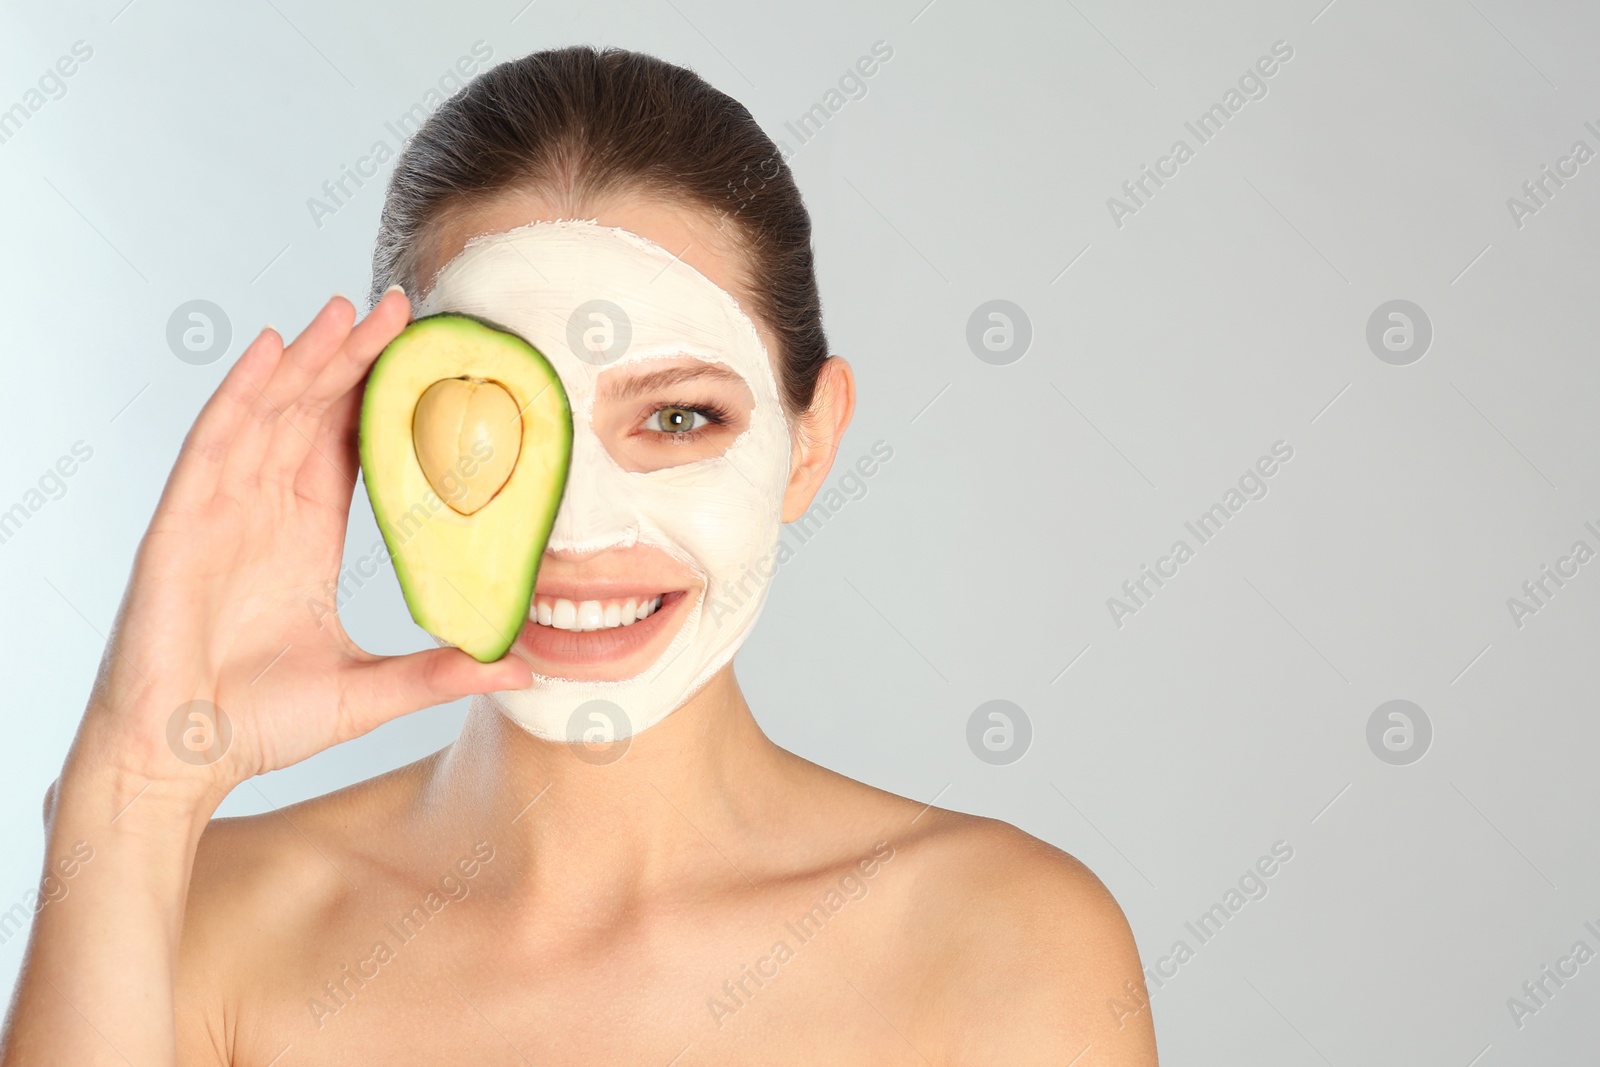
[{"x": 563, "y": 614}]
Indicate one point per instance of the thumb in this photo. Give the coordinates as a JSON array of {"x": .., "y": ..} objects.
[{"x": 398, "y": 685}]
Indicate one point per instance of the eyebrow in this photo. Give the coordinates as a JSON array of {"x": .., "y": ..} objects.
[{"x": 634, "y": 386}]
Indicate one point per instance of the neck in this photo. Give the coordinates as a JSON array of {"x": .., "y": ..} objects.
[{"x": 613, "y": 822}]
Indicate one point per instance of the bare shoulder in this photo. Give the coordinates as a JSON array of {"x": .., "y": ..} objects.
[
  {"x": 1019, "y": 952},
  {"x": 261, "y": 888},
  {"x": 1006, "y": 948},
  {"x": 295, "y": 861},
  {"x": 1041, "y": 962}
]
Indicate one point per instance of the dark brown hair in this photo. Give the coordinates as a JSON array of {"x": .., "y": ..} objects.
[{"x": 581, "y": 124}]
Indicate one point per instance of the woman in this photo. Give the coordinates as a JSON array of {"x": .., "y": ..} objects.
[{"x": 686, "y": 893}]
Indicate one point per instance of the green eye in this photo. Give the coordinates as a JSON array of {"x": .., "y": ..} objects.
[{"x": 679, "y": 420}]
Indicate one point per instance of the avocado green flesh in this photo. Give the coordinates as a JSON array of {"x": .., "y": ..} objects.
[{"x": 468, "y": 579}]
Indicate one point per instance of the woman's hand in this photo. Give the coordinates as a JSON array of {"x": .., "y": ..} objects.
[
  {"x": 229, "y": 606},
  {"x": 231, "y": 598}
]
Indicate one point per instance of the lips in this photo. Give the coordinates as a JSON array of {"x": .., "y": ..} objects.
[{"x": 587, "y": 634}]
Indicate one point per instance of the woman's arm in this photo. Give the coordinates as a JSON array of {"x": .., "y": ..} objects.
[
  {"x": 220, "y": 667},
  {"x": 96, "y": 985}
]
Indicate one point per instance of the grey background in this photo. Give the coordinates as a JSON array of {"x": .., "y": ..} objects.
[{"x": 1167, "y": 355}]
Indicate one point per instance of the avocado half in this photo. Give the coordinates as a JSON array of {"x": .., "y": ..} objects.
[{"x": 465, "y": 441}]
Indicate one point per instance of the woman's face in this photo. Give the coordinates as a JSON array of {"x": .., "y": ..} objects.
[{"x": 680, "y": 458}]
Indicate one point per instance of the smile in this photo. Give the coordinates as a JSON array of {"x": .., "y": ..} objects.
[
  {"x": 600, "y": 633},
  {"x": 564, "y": 614}
]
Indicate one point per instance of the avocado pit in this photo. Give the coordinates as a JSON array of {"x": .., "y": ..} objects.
[{"x": 467, "y": 433}]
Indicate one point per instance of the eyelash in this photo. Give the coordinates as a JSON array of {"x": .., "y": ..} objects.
[{"x": 714, "y": 414}]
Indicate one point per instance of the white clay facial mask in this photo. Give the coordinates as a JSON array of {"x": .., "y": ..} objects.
[{"x": 607, "y": 307}]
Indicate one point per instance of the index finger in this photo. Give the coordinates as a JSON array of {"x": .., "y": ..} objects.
[{"x": 360, "y": 349}]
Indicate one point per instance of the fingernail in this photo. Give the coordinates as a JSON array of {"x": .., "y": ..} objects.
[{"x": 395, "y": 288}]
